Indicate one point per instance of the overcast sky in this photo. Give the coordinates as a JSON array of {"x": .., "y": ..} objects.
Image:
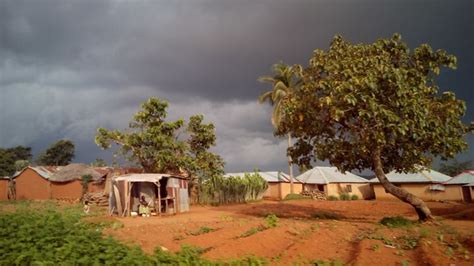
[{"x": 69, "y": 67}]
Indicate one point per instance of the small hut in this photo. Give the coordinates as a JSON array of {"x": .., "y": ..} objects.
[{"x": 164, "y": 193}]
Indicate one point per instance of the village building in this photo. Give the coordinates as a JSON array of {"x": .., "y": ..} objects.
[
  {"x": 279, "y": 185},
  {"x": 428, "y": 185},
  {"x": 464, "y": 183},
  {"x": 334, "y": 183},
  {"x": 67, "y": 182},
  {"x": 159, "y": 193},
  {"x": 57, "y": 182}
]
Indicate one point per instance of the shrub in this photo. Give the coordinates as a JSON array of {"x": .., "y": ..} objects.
[
  {"x": 271, "y": 220},
  {"x": 354, "y": 197},
  {"x": 295, "y": 197},
  {"x": 332, "y": 198},
  {"x": 345, "y": 196},
  {"x": 325, "y": 215},
  {"x": 395, "y": 222}
]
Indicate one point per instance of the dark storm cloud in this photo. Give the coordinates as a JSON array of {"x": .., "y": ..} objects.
[{"x": 68, "y": 67}]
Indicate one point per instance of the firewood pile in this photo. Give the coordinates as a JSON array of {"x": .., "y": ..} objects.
[
  {"x": 98, "y": 199},
  {"x": 315, "y": 194}
]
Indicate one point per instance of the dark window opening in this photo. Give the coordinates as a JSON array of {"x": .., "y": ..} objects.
[{"x": 349, "y": 188}]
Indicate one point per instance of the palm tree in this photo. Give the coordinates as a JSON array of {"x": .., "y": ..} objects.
[{"x": 283, "y": 84}]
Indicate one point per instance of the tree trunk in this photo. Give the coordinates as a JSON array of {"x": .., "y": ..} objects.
[
  {"x": 424, "y": 213},
  {"x": 290, "y": 166}
]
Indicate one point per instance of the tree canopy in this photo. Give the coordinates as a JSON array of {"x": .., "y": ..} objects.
[
  {"x": 374, "y": 106},
  {"x": 455, "y": 167},
  {"x": 14, "y": 157},
  {"x": 160, "y": 146},
  {"x": 58, "y": 153}
]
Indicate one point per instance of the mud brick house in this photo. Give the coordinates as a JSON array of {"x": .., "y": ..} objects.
[
  {"x": 334, "y": 183},
  {"x": 429, "y": 185}
]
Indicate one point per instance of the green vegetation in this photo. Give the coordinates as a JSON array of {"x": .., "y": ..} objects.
[
  {"x": 396, "y": 222},
  {"x": 203, "y": 230},
  {"x": 14, "y": 159},
  {"x": 295, "y": 197},
  {"x": 344, "y": 196},
  {"x": 58, "y": 153},
  {"x": 325, "y": 215},
  {"x": 271, "y": 220},
  {"x": 354, "y": 197},
  {"x": 227, "y": 190},
  {"x": 47, "y": 236},
  {"x": 252, "y": 231},
  {"x": 332, "y": 198},
  {"x": 333, "y": 262},
  {"x": 374, "y": 106},
  {"x": 153, "y": 142}
]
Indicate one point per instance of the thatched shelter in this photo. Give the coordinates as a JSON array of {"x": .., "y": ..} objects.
[{"x": 76, "y": 171}]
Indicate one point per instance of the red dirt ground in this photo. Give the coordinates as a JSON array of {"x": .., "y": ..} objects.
[{"x": 356, "y": 239}]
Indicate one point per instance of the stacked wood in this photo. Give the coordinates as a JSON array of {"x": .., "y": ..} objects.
[
  {"x": 315, "y": 194},
  {"x": 98, "y": 199}
]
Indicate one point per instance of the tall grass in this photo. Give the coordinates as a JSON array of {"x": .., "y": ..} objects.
[{"x": 220, "y": 190}]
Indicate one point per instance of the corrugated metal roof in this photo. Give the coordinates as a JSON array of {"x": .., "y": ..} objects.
[
  {"x": 40, "y": 170},
  {"x": 469, "y": 185},
  {"x": 425, "y": 176},
  {"x": 272, "y": 176},
  {"x": 463, "y": 178},
  {"x": 327, "y": 175},
  {"x": 144, "y": 177}
]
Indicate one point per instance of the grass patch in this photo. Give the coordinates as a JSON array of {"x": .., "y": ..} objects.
[
  {"x": 325, "y": 215},
  {"x": 253, "y": 231},
  {"x": 396, "y": 222},
  {"x": 202, "y": 230}
]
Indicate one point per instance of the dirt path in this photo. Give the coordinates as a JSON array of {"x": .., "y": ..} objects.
[{"x": 356, "y": 238}]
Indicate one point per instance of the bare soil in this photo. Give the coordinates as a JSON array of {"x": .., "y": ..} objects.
[{"x": 355, "y": 238}]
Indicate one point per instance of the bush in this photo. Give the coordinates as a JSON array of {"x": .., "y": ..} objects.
[
  {"x": 354, "y": 197},
  {"x": 345, "y": 196},
  {"x": 271, "y": 220},
  {"x": 295, "y": 197},
  {"x": 395, "y": 222},
  {"x": 332, "y": 198}
]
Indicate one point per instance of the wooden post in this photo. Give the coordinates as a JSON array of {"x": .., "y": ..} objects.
[{"x": 159, "y": 198}]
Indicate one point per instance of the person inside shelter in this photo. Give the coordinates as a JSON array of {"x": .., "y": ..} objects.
[{"x": 144, "y": 207}]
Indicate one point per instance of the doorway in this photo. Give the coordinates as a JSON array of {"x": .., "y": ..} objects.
[{"x": 466, "y": 194}]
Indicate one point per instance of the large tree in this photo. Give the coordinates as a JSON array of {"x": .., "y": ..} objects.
[
  {"x": 455, "y": 167},
  {"x": 13, "y": 158},
  {"x": 58, "y": 153},
  {"x": 283, "y": 82},
  {"x": 375, "y": 106},
  {"x": 162, "y": 147}
]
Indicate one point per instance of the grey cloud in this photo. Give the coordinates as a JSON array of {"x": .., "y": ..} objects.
[{"x": 67, "y": 67}]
